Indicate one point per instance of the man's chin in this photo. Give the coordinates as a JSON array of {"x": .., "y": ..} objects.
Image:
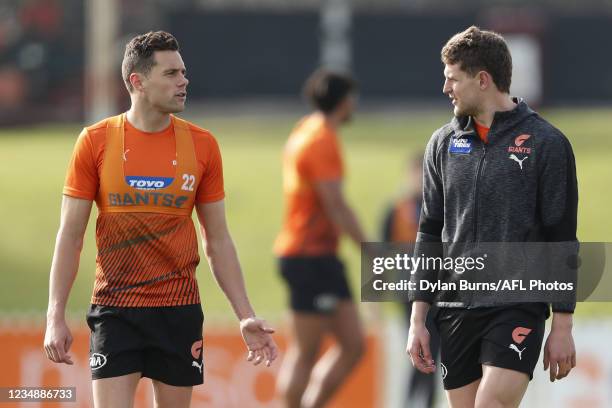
[
  {"x": 174, "y": 109},
  {"x": 461, "y": 112}
]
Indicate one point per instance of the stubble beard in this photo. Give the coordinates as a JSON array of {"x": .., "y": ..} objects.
[
  {"x": 171, "y": 108},
  {"x": 466, "y": 111}
]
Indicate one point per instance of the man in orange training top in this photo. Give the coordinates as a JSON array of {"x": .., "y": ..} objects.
[
  {"x": 316, "y": 212},
  {"x": 147, "y": 169}
]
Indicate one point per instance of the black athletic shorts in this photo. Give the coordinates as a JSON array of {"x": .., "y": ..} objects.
[
  {"x": 507, "y": 337},
  {"x": 316, "y": 283},
  {"x": 161, "y": 343}
]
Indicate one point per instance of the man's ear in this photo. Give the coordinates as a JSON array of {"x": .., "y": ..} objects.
[
  {"x": 485, "y": 80},
  {"x": 136, "y": 81}
]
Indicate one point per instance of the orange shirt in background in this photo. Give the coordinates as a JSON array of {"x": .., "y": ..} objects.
[{"x": 312, "y": 154}]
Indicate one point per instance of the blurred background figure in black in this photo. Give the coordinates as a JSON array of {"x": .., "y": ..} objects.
[{"x": 400, "y": 224}]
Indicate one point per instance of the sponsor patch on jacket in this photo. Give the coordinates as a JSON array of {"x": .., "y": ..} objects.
[{"x": 461, "y": 145}]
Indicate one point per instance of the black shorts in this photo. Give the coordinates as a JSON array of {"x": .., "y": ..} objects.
[
  {"x": 507, "y": 337},
  {"x": 161, "y": 343},
  {"x": 316, "y": 283}
]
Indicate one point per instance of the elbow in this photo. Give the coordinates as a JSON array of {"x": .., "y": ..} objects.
[
  {"x": 78, "y": 244},
  {"x": 336, "y": 213},
  {"x": 209, "y": 251},
  {"x": 74, "y": 239},
  {"x": 214, "y": 247}
]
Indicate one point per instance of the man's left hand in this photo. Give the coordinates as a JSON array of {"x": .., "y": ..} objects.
[
  {"x": 559, "y": 352},
  {"x": 257, "y": 337}
]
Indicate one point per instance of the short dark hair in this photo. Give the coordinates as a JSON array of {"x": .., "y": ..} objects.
[
  {"x": 480, "y": 50},
  {"x": 139, "y": 52},
  {"x": 326, "y": 89}
]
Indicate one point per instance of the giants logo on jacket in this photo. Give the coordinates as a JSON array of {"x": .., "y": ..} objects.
[{"x": 518, "y": 145}]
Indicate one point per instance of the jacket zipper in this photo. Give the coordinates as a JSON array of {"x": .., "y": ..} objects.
[{"x": 476, "y": 197}]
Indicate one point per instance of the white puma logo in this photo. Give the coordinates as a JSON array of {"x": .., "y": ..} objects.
[
  {"x": 520, "y": 352},
  {"x": 516, "y": 159},
  {"x": 195, "y": 364},
  {"x": 125, "y": 155}
]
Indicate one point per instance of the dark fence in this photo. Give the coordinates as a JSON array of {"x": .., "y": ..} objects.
[
  {"x": 234, "y": 54},
  {"x": 394, "y": 54},
  {"x": 246, "y": 54}
]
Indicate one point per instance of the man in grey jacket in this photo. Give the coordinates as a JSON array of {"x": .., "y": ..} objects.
[{"x": 497, "y": 172}]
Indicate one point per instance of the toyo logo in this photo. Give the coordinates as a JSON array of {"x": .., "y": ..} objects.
[{"x": 148, "y": 183}]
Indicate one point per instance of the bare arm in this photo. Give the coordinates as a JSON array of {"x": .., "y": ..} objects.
[
  {"x": 338, "y": 210},
  {"x": 419, "y": 313},
  {"x": 559, "y": 349},
  {"x": 222, "y": 257},
  {"x": 64, "y": 267},
  {"x": 223, "y": 261},
  {"x": 418, "y": 339}
]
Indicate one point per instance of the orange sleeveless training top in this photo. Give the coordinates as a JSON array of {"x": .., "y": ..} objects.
[{"x": 146, "y": 240}]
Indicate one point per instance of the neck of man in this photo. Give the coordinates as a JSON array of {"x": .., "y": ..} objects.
[
  {"x": 499, "y": 102},
  {"x": 146, "y": 118},
  {"x": 331, "y": 119}
]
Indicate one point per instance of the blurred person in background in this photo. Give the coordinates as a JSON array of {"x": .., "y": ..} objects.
[
  {"x": 498, "y": 172},
  {"x": 400, "y": 224},
  {"x": 316, "y": 214},
  {"x": 147, "y": 170}
]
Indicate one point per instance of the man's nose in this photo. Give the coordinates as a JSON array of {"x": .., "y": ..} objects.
[
  {"x": 184, "y": 81},
  {"x": 446, "y": 88}
]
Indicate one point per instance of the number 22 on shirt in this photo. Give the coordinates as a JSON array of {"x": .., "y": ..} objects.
[{"x": 188, "y": 182}]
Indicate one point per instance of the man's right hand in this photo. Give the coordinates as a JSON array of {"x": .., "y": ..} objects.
[
  {"x": 418, "y": 348},
  {"x": 58, "y": 340},
  {"x": 64, "y": 267}
]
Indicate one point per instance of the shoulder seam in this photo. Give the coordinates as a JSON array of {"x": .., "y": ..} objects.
[{"x": 441, "y": 134}]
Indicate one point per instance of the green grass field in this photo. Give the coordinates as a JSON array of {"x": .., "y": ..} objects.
[{"x": 33, "y": 162}]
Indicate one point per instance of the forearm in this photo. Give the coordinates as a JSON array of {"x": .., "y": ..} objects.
[
  {"x": 562, "y": 321},
  {"x": 419, "y": 313},
  {"x": 223, "y": 261},
  {"x": 345, "y": 220},
  {"x": 64, "y": 268}
]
